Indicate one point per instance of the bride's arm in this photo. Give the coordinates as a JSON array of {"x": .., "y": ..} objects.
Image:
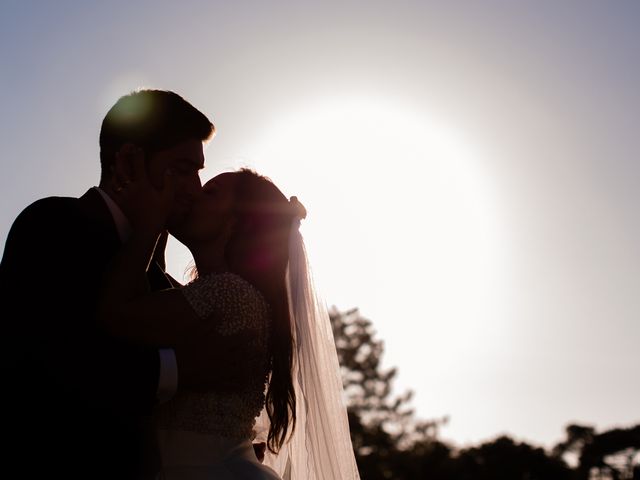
[
  {"x": 207, "y": 360},
  {"x": 127, "y": 307}
]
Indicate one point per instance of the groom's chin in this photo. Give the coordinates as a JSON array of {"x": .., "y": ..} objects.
[{"x": 176, "y": 220}]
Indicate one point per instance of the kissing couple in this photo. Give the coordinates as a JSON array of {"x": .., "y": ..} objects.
[{"x": 113, "y": 369}]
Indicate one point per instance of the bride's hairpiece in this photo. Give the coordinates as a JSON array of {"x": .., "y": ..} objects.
[{"x": 297, "y": 209}]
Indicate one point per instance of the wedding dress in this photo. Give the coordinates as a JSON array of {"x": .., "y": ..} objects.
[{"x": 206, "y": 436}]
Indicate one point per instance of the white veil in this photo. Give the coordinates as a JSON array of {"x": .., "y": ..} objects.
[{"x": 320, "y": 447}]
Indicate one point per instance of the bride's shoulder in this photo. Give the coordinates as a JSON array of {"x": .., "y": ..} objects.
[
  {"x": 225, "y": 294},
  {"x": 222, "y": 283}
]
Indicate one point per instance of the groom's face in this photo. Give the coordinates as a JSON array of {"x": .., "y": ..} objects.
[{"x": 185, "y": 160}]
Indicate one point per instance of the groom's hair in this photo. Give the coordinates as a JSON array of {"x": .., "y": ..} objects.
[{"x": 153, "y": 120}]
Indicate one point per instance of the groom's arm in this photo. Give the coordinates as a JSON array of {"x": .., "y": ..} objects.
[{"x": 54, "y": 273}]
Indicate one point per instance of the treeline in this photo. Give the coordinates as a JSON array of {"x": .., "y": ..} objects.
[{"x": 390, "y": 443}]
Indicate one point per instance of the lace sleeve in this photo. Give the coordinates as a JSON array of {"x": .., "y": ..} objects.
[{"x": 230, "y": 301}]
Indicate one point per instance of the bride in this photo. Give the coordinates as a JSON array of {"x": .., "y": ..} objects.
[{"x": 254, "y": 288}]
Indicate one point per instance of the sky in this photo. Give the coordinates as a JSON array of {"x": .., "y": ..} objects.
[{"x": 469, "y": 169}]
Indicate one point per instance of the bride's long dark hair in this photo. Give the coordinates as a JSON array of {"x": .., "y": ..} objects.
[{"x": 258, "y": 251}]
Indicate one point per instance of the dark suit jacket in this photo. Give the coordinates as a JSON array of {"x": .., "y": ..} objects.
[{"x": 75, "y": 401}]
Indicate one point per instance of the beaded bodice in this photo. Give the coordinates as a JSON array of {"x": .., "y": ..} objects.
[{"x": 236, "y": 307}]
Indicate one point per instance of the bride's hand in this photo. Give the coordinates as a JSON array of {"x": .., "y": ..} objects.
[{"x": 146, "y": 206}]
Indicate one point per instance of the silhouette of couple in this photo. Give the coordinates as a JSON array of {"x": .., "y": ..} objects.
[{"x": 112, "y": 369}]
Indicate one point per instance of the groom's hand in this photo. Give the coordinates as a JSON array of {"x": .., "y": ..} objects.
[{"x": 146, "y": 205}]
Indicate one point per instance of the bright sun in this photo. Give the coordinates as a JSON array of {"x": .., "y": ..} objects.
[{"x": 402, "y": 221}]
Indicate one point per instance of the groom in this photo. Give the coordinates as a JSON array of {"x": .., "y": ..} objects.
[{"x": 76, "y": 402}]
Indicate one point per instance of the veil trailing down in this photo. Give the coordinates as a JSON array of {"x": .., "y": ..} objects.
[{"x": 320, "y": 447}]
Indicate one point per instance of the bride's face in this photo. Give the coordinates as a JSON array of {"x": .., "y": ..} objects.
[{"x": 211, "y": 213}]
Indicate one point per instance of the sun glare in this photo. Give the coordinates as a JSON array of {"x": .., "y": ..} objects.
[{"x": 402, "y": 222}]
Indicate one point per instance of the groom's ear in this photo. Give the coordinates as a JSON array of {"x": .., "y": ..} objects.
[{"x": 123, "y": 160}]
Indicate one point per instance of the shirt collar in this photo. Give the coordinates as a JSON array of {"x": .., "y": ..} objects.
[{"x": 122, "y": 223}]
